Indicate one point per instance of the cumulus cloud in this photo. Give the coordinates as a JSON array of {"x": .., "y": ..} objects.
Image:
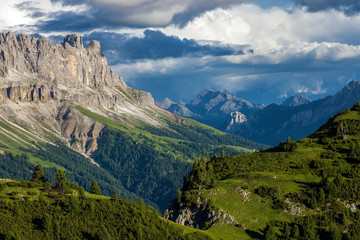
[
  {"x": 268, "y": 29},
  {"x": 147, "y": 13}
]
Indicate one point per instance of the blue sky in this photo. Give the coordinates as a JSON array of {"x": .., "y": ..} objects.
[{"x": 261, "y": 50}]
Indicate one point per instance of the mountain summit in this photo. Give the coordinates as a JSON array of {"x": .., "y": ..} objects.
[
  {"x": 34, "y": 70},
  {"x": 296, "y": 101},
  {"x": 212, "y": 107}
]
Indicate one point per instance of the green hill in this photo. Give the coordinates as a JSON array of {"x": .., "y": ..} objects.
[
  {"x": 39, "y": 210},
  {"x": 307, "y": 189}
]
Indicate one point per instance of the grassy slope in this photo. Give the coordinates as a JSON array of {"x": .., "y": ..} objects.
[
  {"x": 134, "y": 132},
  {"x": 24, "y": 207},
  {"x": 174, "y": 147},
  {"x": 292, "y": 171}
]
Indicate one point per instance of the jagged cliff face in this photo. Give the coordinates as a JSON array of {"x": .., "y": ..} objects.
[{"x": 41, "y": 82}]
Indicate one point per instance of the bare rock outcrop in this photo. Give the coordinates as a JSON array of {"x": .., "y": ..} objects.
[
  {"x": 80, "y": 131},
  {"x": 199, "y": 215}
]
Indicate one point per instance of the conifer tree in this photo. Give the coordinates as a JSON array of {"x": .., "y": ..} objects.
[
  {"x": 287, "y": 231},
  {"x": 313, "y": 203},
  {"x": 334, "y": 232},
  {"x": 270, "y": 233},
  {"x": 178, "y": 195},
  {"x": 38, "y": 174},
  {"x": 95, "y": 189},
  {"x": 296, "y": 232},
  {"x": 321, "y": 197},
  {"x": 308, "y": 229},
  {"x": 61, "y": 183},
  {"x": 82, "y": 195}
]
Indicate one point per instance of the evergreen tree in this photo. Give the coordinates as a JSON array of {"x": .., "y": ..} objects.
[
  {"x": 270, "y": 233},
  {"x": 61, "y": 184},
  {"x": 287, "y": 231},
  {"x": 334, "y": 232},
  {"x": 308, "y": 229},
  {"x": 223, "y": 153},
  {"x": 82, "y": 195},
  {"x": 313, "y": 203},
  {"x": 38, "y": 174},
  {"x": 56, "y": 225},
  {"x": 95, "y": 189},
  {"x": 178, "y": 195},
  {"x": 47, "y": 223},
  {"x": 114, "y": 197},
  {"x": 139, "y": 233},
  {"x": 321, "y": 197},
  {"x": 296, "y": 232},
  {"x": 141, "y": 202}
]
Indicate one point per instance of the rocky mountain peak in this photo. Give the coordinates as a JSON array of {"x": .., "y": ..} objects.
[
  {"x": 37, "y": 78},
  {"x": 94, "y": 47},
  {"x": 165, "y": 103},
  {"x": 236, "y": 119},
  {"x": 296, "y": 101},
  {"x": 74, "y": 40},
  {"x": 352, "y": 85}
]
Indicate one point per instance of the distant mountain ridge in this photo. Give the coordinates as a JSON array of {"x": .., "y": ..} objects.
[
  {"x": 296, "y": 117},
  {"x": 211, "y": 107},
  {"x": 296, "y": 101},
  {"x": 275, "y": 122}
]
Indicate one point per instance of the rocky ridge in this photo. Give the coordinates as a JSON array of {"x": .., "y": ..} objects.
[
  {"x": 43, "y": 82},
  {"x": 296, "y": 101},
  {"x": 211, "y": 107}
]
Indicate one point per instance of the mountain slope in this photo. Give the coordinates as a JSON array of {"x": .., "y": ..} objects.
[
  {"x": 211, "y": 107},
  {"x": 296, "y": 101},
  {"x": 62, "y": 106},
  {"x": 303, "y": 189},
  {"x": 275, "y": 122}
]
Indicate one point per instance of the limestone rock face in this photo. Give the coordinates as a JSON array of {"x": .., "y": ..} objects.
[
  {"x": 68, "y": 67},
  {"x": 41, "y": 82},
  {"x": 28, "y": 93},
  {"x": 236, "y": 119},
  {"x": 80, "y": 131}
]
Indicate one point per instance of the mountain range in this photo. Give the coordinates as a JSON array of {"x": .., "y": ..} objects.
[
  {"x": 64, "y": 108},
  {"x": 211, "y": 107},
  {"x": 296, "y": 117}
]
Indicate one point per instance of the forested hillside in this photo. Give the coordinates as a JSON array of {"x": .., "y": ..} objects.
[
  {"x": 38, "y": 210},
  {"x": 306, "y": 189}
]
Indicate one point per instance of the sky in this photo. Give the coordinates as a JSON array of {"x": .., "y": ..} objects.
[{"x": 260, "y": 50}]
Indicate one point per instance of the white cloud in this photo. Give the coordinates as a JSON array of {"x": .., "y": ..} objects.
[
  {"x": 270, "y": 29},
  {"x": 10, "y": 16},
  {"x": 13, "y": 17}
]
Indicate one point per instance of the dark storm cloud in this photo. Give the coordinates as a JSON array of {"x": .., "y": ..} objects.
[
  {"x": 153, "y": 45},
  {"x": 68, "y": 21},
  {"x": 148, "y": 13},
  {"x": 348, "y": 6}
]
